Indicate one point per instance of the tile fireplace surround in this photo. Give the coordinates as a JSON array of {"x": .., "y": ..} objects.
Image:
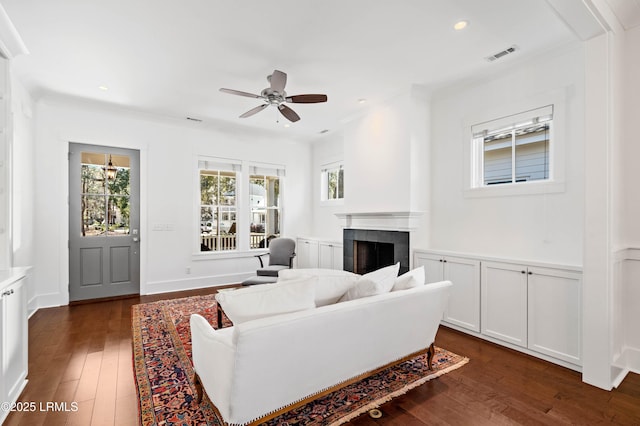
[
  {"x": 378, "y": 230},
  {"x": 373, "y": 249}
]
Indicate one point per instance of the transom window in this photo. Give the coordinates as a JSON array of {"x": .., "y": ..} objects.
[{"x": 513, "y": 149}]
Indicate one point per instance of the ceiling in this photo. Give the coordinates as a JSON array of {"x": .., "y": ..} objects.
[{"x": 171, "y": 57}]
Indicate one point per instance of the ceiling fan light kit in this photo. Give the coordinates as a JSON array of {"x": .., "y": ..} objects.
[{"x": 275, "y": 95}]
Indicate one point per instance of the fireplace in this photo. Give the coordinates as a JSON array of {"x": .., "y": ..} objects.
[{"x": 366, "y": 250}]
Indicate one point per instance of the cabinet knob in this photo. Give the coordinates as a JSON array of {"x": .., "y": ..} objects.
[
  {"x": 444, "y": 260},
  {"x": 8, "y": 293},
  {"x": 441, "y": 260},
  {"x": 523, "y": 272},
  {"x": 530, "y": 273}
]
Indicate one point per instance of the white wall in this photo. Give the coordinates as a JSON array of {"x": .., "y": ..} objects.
[
  {"x": 545, "y": 227},
  {"x": 630, "y": 113},
  {"x": 326, "y": 224},
  {"x": 169, "y": 148},
  {"x": 23, "y": 191},
  {"x": 377, "y": 152},
  {"x": 627, "y": 283}
]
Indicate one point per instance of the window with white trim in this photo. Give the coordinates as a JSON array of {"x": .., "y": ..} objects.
[
  {"x": 332, "y": 182},
  {"x": 218, "y": 207},
  {"x": 239, "y": 204},
  {"x": 513, "y": 149},
  {"x": 265, "y": 205}
]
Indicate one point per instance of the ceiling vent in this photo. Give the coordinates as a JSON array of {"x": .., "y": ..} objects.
[{"x": 501, "y": 54}]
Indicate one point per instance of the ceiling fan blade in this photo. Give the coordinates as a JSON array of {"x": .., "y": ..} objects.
[
  {"x": 253, "y": 111},
  {"x": 278, "y": 80},
  {"x": 288, "y": 113},
  {"x": 239, "y": 93},
  {"x": 306, "y": 99}
]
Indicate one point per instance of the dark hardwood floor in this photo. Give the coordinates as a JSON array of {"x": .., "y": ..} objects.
[{"x": 82, "y": 353}]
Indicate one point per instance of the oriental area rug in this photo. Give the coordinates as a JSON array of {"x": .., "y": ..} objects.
[{"x": 164, "y": 372}]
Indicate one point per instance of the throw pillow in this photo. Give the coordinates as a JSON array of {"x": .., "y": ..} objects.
[
  {"x": 331, "y": 285},
  {"x": 264, "y": 300},
  {"x": 376, "y": 282},
  {"x": 411, "y": 279}
]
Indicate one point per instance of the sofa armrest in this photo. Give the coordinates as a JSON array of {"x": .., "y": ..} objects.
[{"x": 213, "y": 354}]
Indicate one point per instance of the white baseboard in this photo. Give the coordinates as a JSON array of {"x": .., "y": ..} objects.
[{"x": 168, "y": 286}]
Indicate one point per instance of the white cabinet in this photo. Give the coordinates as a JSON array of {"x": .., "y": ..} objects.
[
  {"x": 463, "y": 309},
  {"x": 13, "y": 336},
  {"x": 555, "y": 306},
  {"x": 504, "y": 302},
  {"x": 314, "y": 253},
  {"x": 329, "y": 255},
  {"x": 534, "y": 307},
  {"x": 307, "y": 253}
]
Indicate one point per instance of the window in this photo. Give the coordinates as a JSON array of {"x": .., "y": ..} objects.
[
  {"x": 513, "y": 149},
  {"x": 265, "y": 206},
  {"x": 332, "y": 182},
  {"x": 217, "y": 206},
  {"x": 239, "y": 205}
]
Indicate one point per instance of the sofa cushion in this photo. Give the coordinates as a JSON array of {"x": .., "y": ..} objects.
[
  {"x": 265, "y": 300},
  {"x": 376, "y": 282},
  {"x": 331, "y": 285},
  {"x": 413, "y": 278}
]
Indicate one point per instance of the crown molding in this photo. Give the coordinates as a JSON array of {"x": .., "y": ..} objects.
[{"x": 11, "y": 44}]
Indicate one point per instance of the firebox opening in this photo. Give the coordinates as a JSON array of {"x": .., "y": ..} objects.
[
  {"x": 370, "y": 256},
  {"x": 366, "y": 250}
]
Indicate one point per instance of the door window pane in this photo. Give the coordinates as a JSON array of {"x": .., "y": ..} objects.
[
  {"x": 93, "y": 214},
  {"x": 103, "y": 174}
]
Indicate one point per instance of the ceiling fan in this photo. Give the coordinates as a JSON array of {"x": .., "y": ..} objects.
[{"x": 275, "y": 95}]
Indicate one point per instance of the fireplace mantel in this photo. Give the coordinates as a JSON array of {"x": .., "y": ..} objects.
[{"x": 395, "y": 221}]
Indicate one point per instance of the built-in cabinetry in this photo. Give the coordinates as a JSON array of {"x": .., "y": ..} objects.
[
  {"x": 527, "y": 306},
  {"x": 13, "y": 337},
  {"x": 464, "y": 300},
  {"x": 316, "y": 253}
]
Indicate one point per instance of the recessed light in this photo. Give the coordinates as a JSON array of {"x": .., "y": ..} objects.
[
  {"x": 460, "y": 25},
  {"x": 287, "y": 125},
  {"x": 103, "y": 88},
  {"x": 362, "y": 101}
]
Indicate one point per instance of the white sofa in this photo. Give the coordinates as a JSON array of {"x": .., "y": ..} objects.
[{"x": 262, "y": 367}]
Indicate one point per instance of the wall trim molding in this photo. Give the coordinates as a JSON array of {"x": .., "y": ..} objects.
[{"x": 386, "y": 221}]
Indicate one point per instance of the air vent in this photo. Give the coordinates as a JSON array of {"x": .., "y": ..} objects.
[
  {"x": 197, "y": 120},
  {"x": 499, "y": 55}
]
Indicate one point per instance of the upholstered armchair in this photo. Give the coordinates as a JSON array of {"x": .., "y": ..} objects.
[{"x": 281, "y": 253}]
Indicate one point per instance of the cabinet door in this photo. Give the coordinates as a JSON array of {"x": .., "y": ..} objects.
[
  {"x": 326, "y": 255},
  {"x": 14, "y": 340},
  {"x": 504, "y": 302},
  {"x": 307, "y": 253},
  {"x": 555, "y": 300},
  {"x": 338, "y": 256},
  {"x": 433, "y": 266},
  {"x": 463, "y": 309}
]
